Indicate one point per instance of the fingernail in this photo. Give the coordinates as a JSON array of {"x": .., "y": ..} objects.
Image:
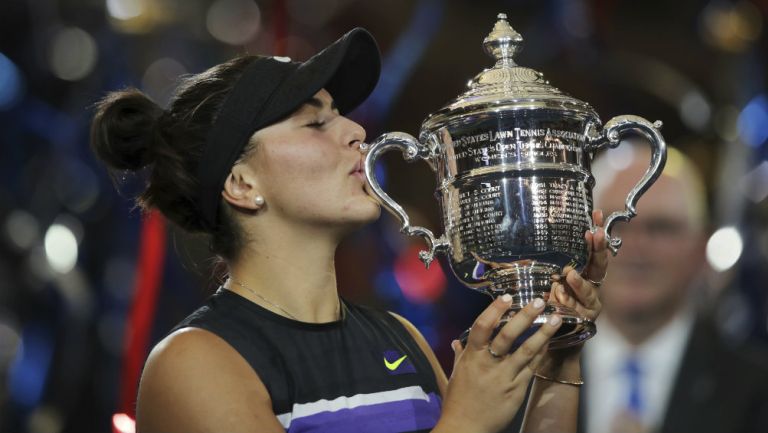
[
  {"x": 538, "y": 303},
  {"x": 506, "y": 298},
  {"x": 554, "y": 320}
]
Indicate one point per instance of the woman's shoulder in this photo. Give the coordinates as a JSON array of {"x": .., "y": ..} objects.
[
  {"x": 195, "y": 356},
  {"x": 181, "y": 374}
]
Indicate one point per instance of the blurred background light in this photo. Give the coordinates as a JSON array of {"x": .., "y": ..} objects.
[
  {"x": 724, "y": 248},
  {"x": 234, "y": 22},
  {"x": 29, "y": 370},
  {"x": 731, "y": 26},
  {"x": 9, "y": 340},
  {"x": 60, "y": 248},
  {"x": 125, "y": 9},
  {"x": 11, "y": 83},
  {"x": 695, "y": 111},
  {"x": 45, "y": 419},
  {"x": 22, "y": 229},
  {"x": 419, "y": 284},
  {"x": 72, "y": 54},
  {"x": 754, "y": 184},
  {"x": 753, "y": 121},
  {"x": 123, "y": 423},
  {"x": 161, "y": 78},
  {"x": 142, "y": 16}
]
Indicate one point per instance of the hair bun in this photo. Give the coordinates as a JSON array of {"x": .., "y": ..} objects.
[{"x": 123, "y": 129}]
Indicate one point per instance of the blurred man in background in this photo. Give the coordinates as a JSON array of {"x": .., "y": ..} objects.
[{"x": 658, "y": 362}]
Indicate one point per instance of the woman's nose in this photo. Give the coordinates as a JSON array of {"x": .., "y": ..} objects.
[{"x": 356, "y": 134}]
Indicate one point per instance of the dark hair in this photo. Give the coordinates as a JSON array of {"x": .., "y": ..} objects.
[{"x": 131, "y": 132}]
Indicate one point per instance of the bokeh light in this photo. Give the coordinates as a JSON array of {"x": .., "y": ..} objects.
[
  {"x": 754, "y": 184},
  {"x": 22, "y": 229},
  {"x": 72, "y": 54},
  {"x": 160, "y": 79},
  {"x": 61, "y": 248},
  {"x": 695, "y": 110},
  {"x": 9, "y": 340},
  {"x": 731, "y": 26},
  {"x": 234, "y": 22},
  {"x": 753, "y": 121},
  {"x": 418, "y": 284},
  {"x": 11, "y": 83},
  {"x": 125, "y": 9},
  {"x": 45, "y": 419},
  {"x": 724, "y": 248},
  {"x": 123, "y": 423}
]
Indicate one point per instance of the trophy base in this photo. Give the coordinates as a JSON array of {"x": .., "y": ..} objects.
[{"x": 574, "y": 330}]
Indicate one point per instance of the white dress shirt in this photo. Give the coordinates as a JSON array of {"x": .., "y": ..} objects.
[{"x": 605, "y": 356}]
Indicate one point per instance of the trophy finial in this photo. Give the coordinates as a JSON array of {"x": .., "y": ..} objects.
[{"x": 503, "y": 42}]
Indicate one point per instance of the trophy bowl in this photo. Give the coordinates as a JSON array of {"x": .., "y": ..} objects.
[{"x": 512, "y": 160}]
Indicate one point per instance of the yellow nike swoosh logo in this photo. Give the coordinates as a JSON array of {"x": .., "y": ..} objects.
[{"x": 393, "y": 365}]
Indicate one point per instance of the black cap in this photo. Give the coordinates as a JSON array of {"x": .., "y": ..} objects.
[{"x": 270, "y": 89}]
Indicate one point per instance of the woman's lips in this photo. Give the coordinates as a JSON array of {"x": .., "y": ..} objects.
[{"x": 357, "y": 170}]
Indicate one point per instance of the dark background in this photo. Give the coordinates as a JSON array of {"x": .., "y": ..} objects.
[{"x": 70, "y": 244}]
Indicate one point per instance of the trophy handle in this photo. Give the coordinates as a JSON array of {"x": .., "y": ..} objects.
[
  {"x": 611, "y": 135},
  {"x": 412, "y": 150}
]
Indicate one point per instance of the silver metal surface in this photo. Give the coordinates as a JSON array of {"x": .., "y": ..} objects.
[{"x": 512, "y": 160}]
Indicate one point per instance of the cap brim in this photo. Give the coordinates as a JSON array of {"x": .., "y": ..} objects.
[{"x": 349, "y": 69}]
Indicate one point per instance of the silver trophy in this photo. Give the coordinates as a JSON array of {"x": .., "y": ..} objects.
[{"x": 512, "y": 157}]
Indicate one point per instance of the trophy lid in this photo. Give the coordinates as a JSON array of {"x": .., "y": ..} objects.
[{"x": 506, "y": 85}]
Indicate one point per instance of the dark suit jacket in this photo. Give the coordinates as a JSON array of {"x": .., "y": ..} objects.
[{"x": 719, "y": 389}]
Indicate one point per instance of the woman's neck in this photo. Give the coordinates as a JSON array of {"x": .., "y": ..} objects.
[{"x": 291, "y": 273}]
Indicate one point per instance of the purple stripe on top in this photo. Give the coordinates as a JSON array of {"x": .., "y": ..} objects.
[{"x": 390, "y": 417}]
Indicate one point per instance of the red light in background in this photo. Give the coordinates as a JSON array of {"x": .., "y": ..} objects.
[{"x": 418, "y": 284}]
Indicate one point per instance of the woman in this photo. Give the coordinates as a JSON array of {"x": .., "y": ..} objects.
[{"x": 256, "y": 153}]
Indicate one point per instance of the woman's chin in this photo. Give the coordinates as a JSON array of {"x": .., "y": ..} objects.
[
  {"x": 366, "y": 214},
  {"x": 360, "y": 216}
]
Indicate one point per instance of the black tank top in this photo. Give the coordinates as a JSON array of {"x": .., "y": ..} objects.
[{"x": 363, "y": 373}]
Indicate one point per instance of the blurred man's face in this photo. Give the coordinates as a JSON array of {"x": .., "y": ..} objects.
[{"x": 662, "y": 249}]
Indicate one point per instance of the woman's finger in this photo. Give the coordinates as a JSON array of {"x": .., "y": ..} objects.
[
  {"x": 597, "y": 217},
  {"x": 486, "y": 322},
  {"x": 598, "y": 260},
  {"x": 536, "y": 361},
  {"x": 527, "y": 351},
  {"x": 458, "y": 349},
  {"x": 516, "y": 326},
  {"x": 584, "y": 291},
  {"x": 563, "y": 297}
]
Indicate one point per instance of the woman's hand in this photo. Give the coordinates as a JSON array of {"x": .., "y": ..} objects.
[
  {"x": 553, "y": 402},
  {"x": 487, "y": 388},
  {"x": 580, "y": 291}
]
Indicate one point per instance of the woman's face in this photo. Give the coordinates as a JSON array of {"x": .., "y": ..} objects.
[{"x": 309, "y": 168}]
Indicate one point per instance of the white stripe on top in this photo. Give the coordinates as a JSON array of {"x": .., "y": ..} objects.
[{"x": 338, "y": 403}]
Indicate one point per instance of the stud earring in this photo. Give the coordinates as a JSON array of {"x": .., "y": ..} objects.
[{"x": 258, "y": 200}]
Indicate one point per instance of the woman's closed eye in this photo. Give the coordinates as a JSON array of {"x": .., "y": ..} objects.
[{"x": 317, "y": 124}]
